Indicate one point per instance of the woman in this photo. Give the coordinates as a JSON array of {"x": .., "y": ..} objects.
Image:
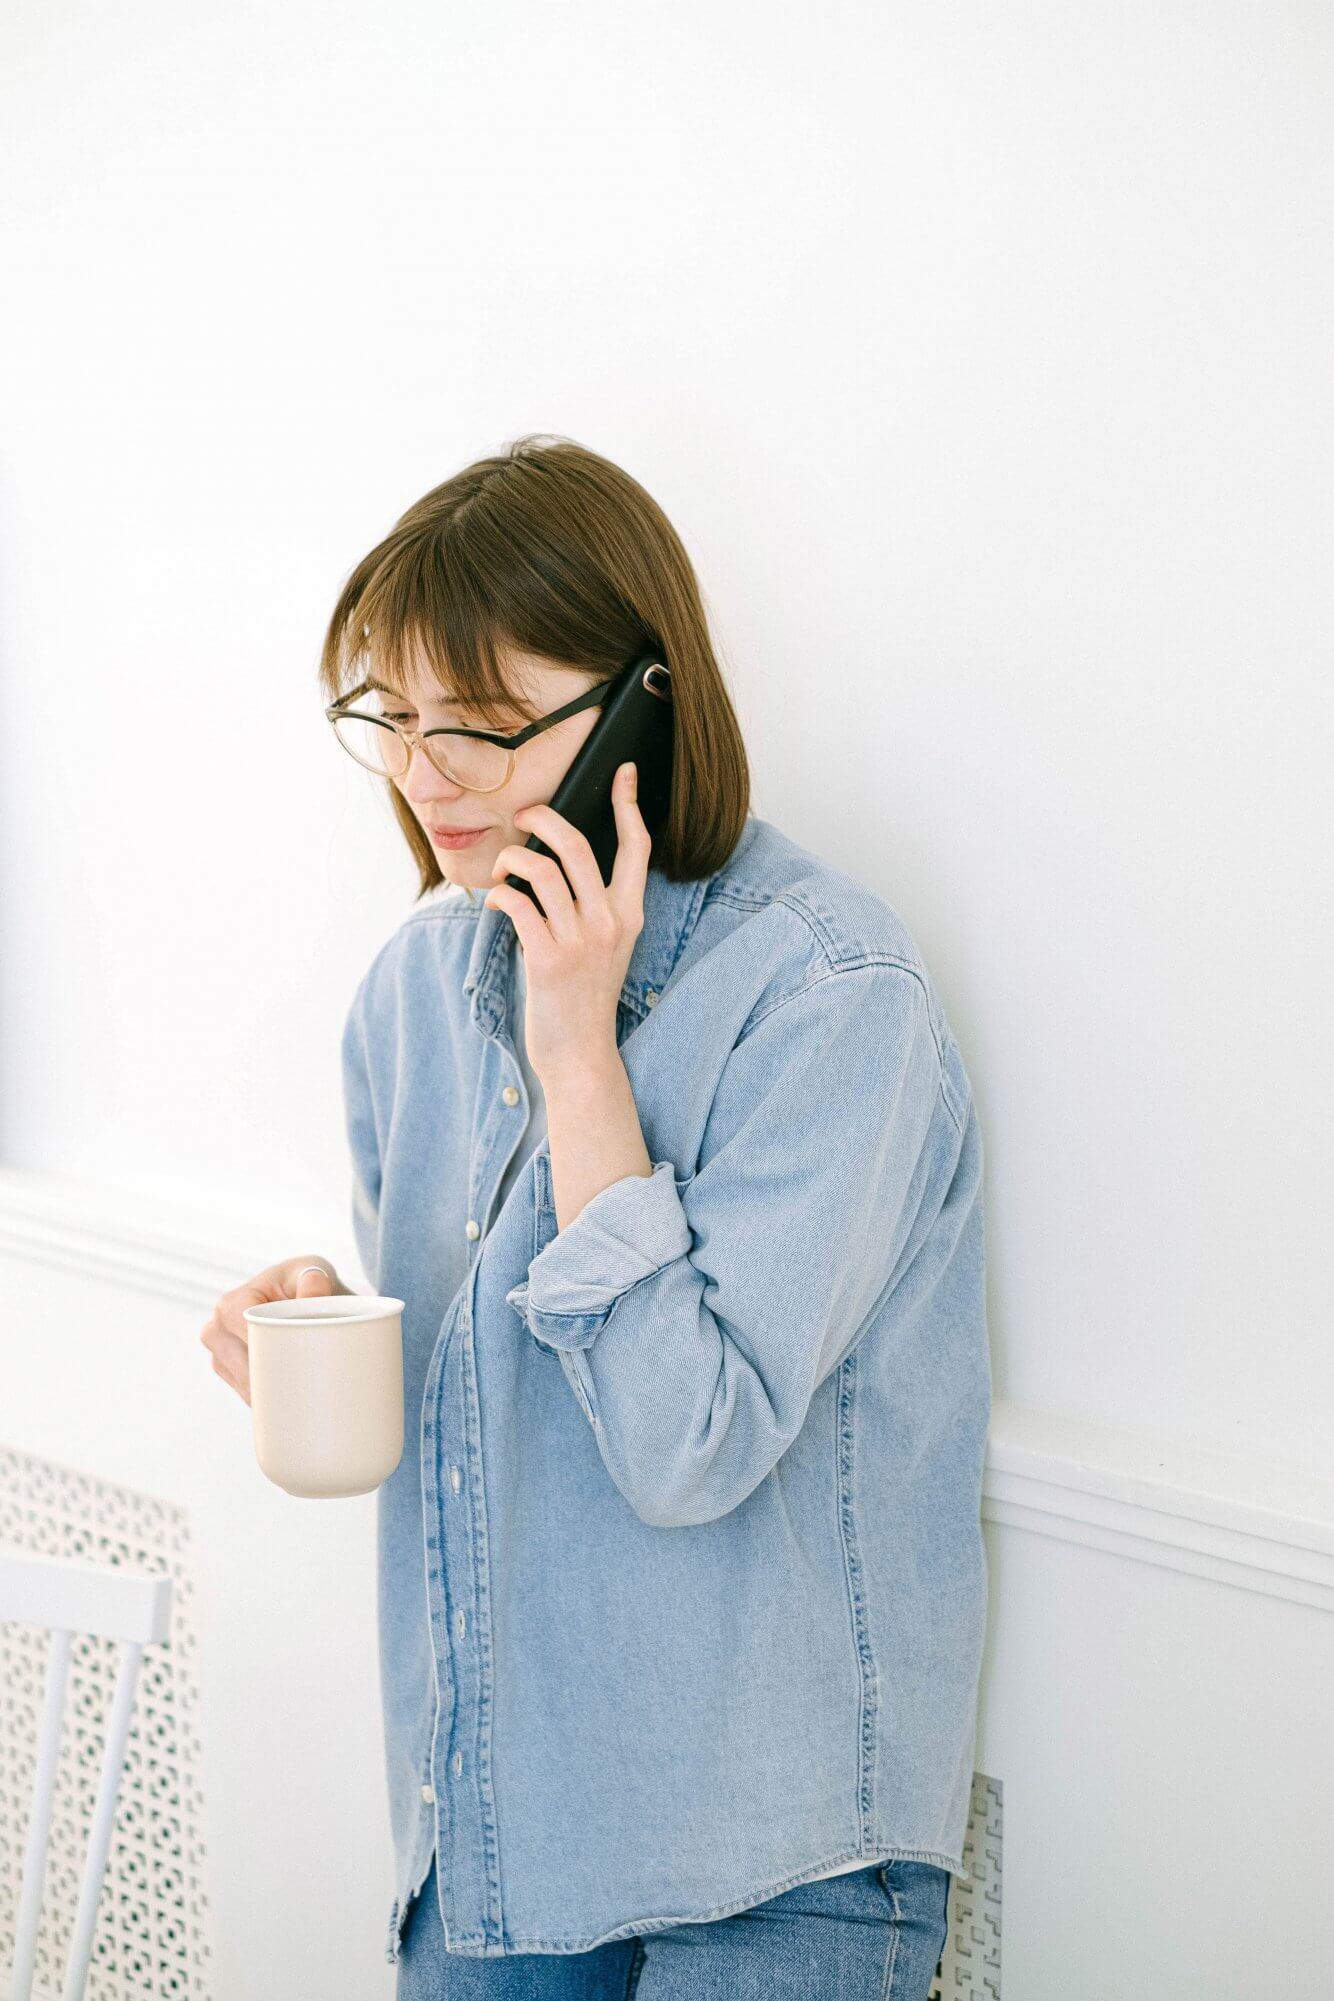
[{"x": 681, "y": 1577}]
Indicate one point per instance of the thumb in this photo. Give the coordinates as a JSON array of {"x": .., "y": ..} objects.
[{"x": 313, "y": 1282}]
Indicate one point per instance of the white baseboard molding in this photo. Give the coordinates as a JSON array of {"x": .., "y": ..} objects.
[{"x": 1248, "y": 1523}]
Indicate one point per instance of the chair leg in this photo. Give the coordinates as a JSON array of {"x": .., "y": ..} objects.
[
  {"x": 39, "y": 1823},
  {"x": 104, "y": 1820}
]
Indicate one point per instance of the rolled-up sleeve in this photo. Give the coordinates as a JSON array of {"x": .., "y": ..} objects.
[
  {"x": 696, "y": 1313},
  {"x": 626, "y": 1234},
  {"x": 363, "y": 1144}
]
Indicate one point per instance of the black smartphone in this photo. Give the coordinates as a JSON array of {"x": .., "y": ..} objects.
[{"x": 636, "y": 725}]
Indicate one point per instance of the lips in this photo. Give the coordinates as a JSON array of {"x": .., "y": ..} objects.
[{"x": 455, "y": 837}]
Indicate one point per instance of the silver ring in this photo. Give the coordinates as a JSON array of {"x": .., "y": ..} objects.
[{"x": 320, "y": 1268}]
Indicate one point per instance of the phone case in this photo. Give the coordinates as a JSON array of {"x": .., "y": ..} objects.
[{"x": 636, "y": 724}]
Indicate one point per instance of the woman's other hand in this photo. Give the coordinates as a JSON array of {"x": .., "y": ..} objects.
[{"x": 225, "y": 1333}]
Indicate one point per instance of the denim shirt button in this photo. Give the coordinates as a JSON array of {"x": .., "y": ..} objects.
[
  {"x": 428, "y": 1794},
  {"x": 455, "y": 1478},
  {"x": 472, "y": 1230},
  {"x": 510, "y": 1095},
  {"x": 651, "y": 996}
]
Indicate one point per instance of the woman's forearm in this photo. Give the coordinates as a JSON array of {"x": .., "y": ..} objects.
[{"x": 595, "y": 1134}]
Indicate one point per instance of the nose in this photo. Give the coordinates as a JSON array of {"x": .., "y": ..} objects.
[{"x": 423, "y": 782}]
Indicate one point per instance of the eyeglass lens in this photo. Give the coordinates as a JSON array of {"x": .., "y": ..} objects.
[{"x": 467, "y": 760}]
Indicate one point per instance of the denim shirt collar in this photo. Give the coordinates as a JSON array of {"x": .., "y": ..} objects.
[{"x": 670, "y": 912}]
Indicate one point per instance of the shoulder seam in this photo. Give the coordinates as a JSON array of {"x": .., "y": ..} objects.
[
  {"x": 867, "y": 962},
  {"x": 837, "y": 961}
]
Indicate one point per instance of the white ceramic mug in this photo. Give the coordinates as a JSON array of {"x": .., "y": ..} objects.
[{"x": 326, "y": 1392}]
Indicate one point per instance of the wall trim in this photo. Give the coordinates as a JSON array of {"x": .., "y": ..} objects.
[
  {"x": 1250, "y": 1523},
  {"x": 188, "y": 1251}
]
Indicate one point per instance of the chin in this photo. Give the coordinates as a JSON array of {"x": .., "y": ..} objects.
[{"x": 470, "y": 868}]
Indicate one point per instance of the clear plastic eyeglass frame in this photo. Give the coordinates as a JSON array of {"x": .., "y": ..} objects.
[{"x": 406, "y": 740}]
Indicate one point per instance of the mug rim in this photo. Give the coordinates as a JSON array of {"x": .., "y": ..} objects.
[{"x": 281, "y": 1312}]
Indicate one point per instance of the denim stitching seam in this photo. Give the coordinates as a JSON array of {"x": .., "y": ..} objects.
[
  {"x": 887, "y": 1992},
  {"x": 866, "y": 964},
  {"x": 852, "y": 1567},
  {"x": 574, "y": 1942},
  {"x": 494, "y": 1930}
]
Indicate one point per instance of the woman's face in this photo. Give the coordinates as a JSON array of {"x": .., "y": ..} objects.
[{"x": 485, "y": 820}]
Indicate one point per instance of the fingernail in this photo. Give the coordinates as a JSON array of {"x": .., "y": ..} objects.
[{"x": 627, "y": 776}]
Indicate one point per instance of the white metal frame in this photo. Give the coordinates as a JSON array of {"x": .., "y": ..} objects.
[{"x": 72, "y": 1597}]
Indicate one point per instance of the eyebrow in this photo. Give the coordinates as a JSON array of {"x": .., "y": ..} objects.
[{"x": 385, "y": 689}]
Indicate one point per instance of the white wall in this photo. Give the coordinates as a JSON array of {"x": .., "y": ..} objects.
[
  {"x": 1154, "y": 1709},
  {"x": 980, "y": 357}
]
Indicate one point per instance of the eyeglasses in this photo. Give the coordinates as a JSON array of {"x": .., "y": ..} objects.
[{"x": 376, "y": 734}]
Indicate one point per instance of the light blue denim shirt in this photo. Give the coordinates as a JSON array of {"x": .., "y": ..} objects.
[{"x": 681, "y": 1583}]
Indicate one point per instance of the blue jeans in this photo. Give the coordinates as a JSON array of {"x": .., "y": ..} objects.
[{"x": 875, "y": 1934}]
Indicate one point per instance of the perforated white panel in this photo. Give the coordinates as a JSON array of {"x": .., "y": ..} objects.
[
  {"x": 151, "y": 1936},
  {"x": 970, "y": 1964}
]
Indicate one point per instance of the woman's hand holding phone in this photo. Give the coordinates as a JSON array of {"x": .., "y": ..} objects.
[{"x": 577, "y": 937}]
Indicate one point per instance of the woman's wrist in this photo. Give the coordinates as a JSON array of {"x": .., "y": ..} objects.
[
  {"x": 594, "y": 1132},
  {"x": 591, "y": 1068}
]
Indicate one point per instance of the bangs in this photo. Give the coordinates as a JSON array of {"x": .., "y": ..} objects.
[
  {"x": 421, "y": 626},
  {"x": 544, "y": 553}
]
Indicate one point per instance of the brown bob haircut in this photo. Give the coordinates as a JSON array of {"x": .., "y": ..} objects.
[{"x": 552, "y": 550}]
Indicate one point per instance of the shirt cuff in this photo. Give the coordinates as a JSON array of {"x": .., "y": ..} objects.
[{"x": 628, "y": 1232}]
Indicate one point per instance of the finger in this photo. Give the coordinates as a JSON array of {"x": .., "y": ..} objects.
[
  {"x": 553, "y": 891},
  {"x": 313, "y": 1282},
  {"x": 231, "y": 1351},
  {"x": 262, "y": 1291},
  {"x": 533, "y": 931},
  {"x": 241, "y": 1388},
  {"x": 216, "y": 1335},
  {"x": 573, "y": 847},
  {"x": 230, "y": 1331},
  {"x": 633, "y": 845}
]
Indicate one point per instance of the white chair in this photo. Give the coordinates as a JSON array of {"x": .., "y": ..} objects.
[{"x": 71, "y": 1597}]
